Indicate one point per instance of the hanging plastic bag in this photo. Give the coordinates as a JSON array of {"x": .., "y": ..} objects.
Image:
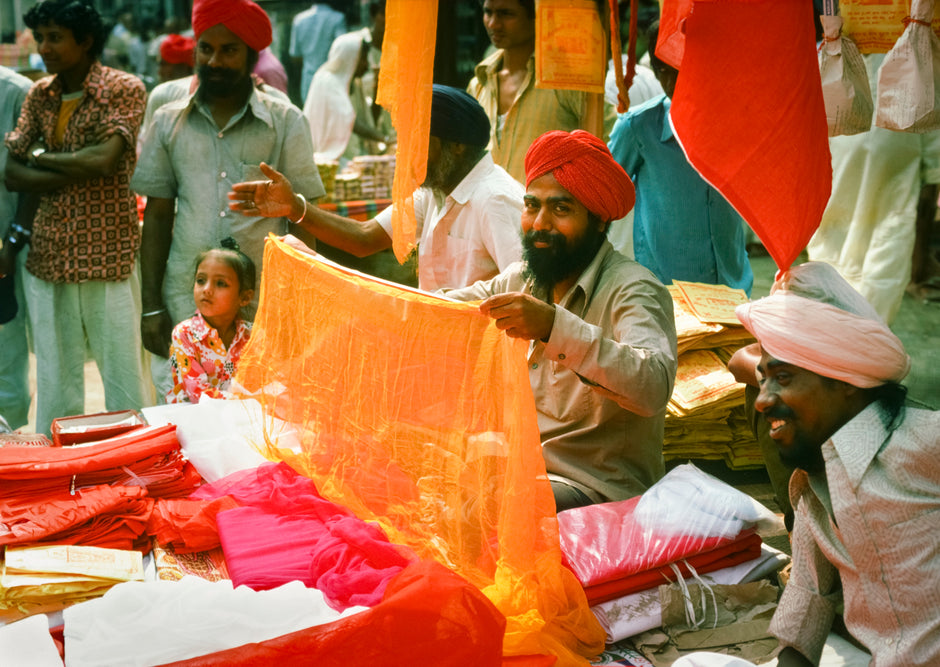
[
  {"x": 909, "y": 78},
  {"x": 846, "y": 92}
]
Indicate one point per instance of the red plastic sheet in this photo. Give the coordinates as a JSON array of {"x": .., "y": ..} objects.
[{"x": 429, "y": 616}]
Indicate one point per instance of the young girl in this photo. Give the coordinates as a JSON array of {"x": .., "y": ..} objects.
[{"x": 206, "y": 347}]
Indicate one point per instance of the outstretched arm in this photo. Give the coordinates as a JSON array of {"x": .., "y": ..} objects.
[{"x": 275, "y": 198}]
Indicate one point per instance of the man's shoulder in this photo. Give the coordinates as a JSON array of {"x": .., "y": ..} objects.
[
  {"x": 118, "y": 79},
  {"x": 486, "y": 67},
  {"x": 487, "y": 179}
]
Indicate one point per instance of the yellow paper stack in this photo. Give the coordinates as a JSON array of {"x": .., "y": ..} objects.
[
  {"x": 49, "y": 578},
  {"x": 705, "y": 418}
]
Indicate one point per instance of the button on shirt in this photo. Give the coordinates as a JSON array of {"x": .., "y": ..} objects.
[
  {"x": 186, "y": 156},
  {"x": 471, "y": 234},
  {"x": 603, "y": 379},
  {"x": 871, "y": 523},
  {"x": 683, "y": 228}
]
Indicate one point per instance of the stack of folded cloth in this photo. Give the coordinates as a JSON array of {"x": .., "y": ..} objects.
[
  {"x": 97, "y": 494},
  {"x": 48, "y": 578},
  {"x": 687, "y": 524}
]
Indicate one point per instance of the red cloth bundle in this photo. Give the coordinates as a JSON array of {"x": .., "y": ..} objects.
[
  {"x": 96, "y": 494},
  {"x": 737, "y": 551},
  {"x": 108, "y": 516},
  {"x": 148, "y": 456},
  {"x": 612, "y": 554},
  {"x": 428, "y": 616}
]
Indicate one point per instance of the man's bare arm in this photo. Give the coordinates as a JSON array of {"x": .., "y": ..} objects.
[
  {"x": 53, "y": 171},
  {"x": 275, "y": 198},
  {"x": 156, "y": 326}
]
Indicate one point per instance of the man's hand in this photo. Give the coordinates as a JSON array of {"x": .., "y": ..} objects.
[
  {"x": 156, "y": 332},
  {"x": 273, "y": 198},
  {"x": 520, "y": 315}
]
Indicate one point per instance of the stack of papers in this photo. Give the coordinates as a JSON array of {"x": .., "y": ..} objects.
[
  {"x": 42, "y": 579},
  {"x": 705, "y": 418}
]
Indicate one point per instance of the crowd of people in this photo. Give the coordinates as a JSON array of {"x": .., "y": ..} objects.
[{"x": 515, "y": 212}]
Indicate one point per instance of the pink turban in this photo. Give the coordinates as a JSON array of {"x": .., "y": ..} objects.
[
  {"x": 583, "y": 165},
  {"x": 243, "y": 17},
  {"x": 177, "y": 50},
  {"x": 832, "y": 331}
]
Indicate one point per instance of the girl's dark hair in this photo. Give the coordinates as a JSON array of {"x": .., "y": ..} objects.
[
  {"x": 76, "y": 15},
  {"x": 239, "y": 262}
]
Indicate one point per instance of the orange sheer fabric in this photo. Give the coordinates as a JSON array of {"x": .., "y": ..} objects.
[
  {"x": 416, "y": 412},
  {"x": 405, "y": 80}
]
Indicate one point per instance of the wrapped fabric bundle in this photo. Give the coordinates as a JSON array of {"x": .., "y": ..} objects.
[
  {"x": 846, "y": 92},
  {"x": 104, "y": 516},
  {"x": 627, "y": 546},
  {"x": 909, "y": 78},
  {"x": 148, "y": 457}
]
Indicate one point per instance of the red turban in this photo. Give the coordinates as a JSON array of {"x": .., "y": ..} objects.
[
  {"x": 583, "y": 165},
  {"x": 243, "y": 17},
  {"x": 177, "y": 50}
]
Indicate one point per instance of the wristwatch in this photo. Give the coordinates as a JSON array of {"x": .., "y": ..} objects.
[{"x": 34, "y": 154}]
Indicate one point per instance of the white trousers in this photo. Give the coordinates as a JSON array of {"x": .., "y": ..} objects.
[
  {"x": 14, "y": 358},
  {"x": 66, "y": 319}
]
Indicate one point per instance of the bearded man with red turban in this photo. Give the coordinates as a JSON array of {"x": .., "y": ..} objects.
[
  {"x": 195, "y": 149},
  {"x": 602, "y": 357}
]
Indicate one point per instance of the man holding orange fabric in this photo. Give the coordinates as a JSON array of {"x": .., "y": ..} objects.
[{"x": 602, "y": 358}]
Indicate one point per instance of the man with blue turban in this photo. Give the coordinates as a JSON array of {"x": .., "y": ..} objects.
[{"x": 467, "y": 210}]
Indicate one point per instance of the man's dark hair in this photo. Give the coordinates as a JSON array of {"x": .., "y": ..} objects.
[
  {"x": 527, "y": 5},
  {"x": 892, "y": 397},
  {"x": 652, "y": 34},
  {"x": 78, "y": 16}
]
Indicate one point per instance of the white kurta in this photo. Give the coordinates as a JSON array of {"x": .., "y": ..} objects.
[{"x": 867, "y": 229}]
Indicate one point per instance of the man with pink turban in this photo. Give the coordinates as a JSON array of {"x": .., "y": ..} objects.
[
  {"x": 866, "y": 490},
  {"x": 602, "y": 357},
  {"x": 195, "y": 149}
]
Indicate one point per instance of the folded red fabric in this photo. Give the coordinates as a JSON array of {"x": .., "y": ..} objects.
[
  {"x": 605, "y": 542},
  {"x": 733, "y": 553}
]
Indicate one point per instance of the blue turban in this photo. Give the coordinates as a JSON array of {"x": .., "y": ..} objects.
[{"x": 456, "y": 116}]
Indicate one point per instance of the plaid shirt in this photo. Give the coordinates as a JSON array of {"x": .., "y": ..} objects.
[{"x": 89, "y": 230}]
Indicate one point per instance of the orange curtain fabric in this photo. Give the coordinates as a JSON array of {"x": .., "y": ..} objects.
[
  {"x": 405, "y": 80},
  {"x": 416, "y": 412},
  {"x": 748, "y": 111}
]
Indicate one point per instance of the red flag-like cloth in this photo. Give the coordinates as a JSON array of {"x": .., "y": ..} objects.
[{"x": 748, "y": 111}]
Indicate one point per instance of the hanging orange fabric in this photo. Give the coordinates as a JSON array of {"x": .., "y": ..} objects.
[
  {"x": 405, "y": 80},
  {"x": 416, "y": 412}
]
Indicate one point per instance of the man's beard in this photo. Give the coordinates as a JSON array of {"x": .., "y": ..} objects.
[
  {"x": 801, "y": 452},
  {"x": 221, "y": 81},
  {"x": 443, "y": 175},
  {"x": 546, "y": 267}
]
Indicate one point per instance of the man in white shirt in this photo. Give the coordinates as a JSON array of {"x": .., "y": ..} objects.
[{"x": 468, "y": 209}]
